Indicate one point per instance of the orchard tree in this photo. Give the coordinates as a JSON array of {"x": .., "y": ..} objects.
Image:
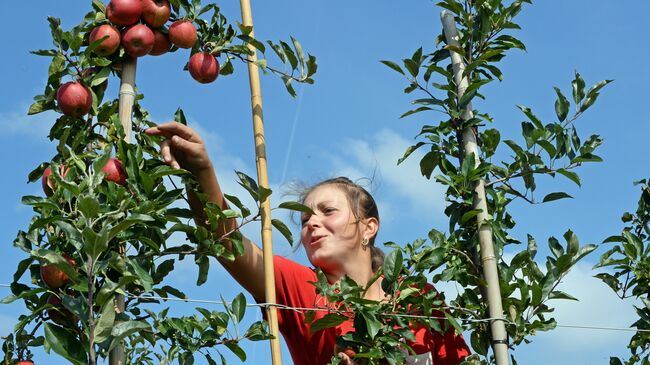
[
  {"x": 629, "y": 272},
  {"x": 465, "y": 153},
  {"x": 102, "y": 229}
]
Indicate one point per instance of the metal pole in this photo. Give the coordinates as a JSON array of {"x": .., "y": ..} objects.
[
  {"x": 469, "y": 146},
  {"x": 127, "y": 98},
  {"x": 263, "y": 180}
]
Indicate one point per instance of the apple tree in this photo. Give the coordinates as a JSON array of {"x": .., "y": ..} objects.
[
  {"x": 628, "y": 272},
  {"x": 508, "y": 171},
  {"x": 106, "y": 224}
]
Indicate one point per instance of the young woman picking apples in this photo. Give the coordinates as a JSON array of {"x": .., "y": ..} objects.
[{"x": 338, "y": 238}]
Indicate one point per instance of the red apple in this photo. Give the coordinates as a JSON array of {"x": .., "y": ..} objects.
[
  {"x": 155, "y": 12},
  {"x": 183, "y": 34},
  {"x": 161, "y": 43},
  {"x": 24, "y": 362},
  {"x": 59, "y": 314},
  {"x": 137, "y": 40},
  {"x": 110, "y": 44},
  {"x": 203, "y": 67},
  {"x": 124, "y": 12},
  {"x": 74, "y": 99},
  {"x": 54, "y": 277},
  {"x": 115, "y": 171},
  {"x": 46, "y": 180}
]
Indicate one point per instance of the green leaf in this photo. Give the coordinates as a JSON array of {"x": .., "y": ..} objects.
[
  {"x": 572, "y": 242},
  {"x": 204, "y": 265},
  {"x": 393, "y": 263},
  {"x": 412, "y": 66},
  {"x": 561, "y": 105},
  {"x": 298, "y": 207},
  {"x": 65, "y": 343},
  {"x": 298, "y": 48},
  {"x": 237, "y": 350},
  {"x": 578, "y": 86},
  {"x": 40, "y": 106},
  {"x": 393, "y": 65},
  {"x": 372, "y": 324},
  {"x": 239, "y": 307},
  {"x": 127, "y": 223},
  {"x": 532, "y": 117},
  {"x": 555, "y": 247},
  {"x": 570, "y": 175},
  {"x": 179, "y": 116},
  {"x": 124, "y": 329},
  {"x": 556, "y": 196},
  {"x": 88, "y": 206},
  {"x": 417, "y": 110},
  {"x": 95, "y": 243},
  {"x": 327, "y": 321},
  {"x": 409, "y": 151},
  {"x": 283, "y": 229},
  {"x": 104, "y": 325},
  {"x": 144, "y": 278}
]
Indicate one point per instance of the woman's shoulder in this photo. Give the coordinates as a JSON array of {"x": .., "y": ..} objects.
[{"x": 289, "y": 270}]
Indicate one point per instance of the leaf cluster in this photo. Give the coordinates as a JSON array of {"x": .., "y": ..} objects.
[{"x": 627, "y": 272}]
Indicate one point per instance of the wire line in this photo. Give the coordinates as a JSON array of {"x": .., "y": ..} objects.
[{"x": 330, "y": 310}]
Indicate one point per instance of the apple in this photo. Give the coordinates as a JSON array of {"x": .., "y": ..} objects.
[
  {"x": 110, "y": 44},
  {"x": 161, "y": 43},
  {"x": 24, "y": 362},
  {"x": 54, "y": 277},
  {"x": 183, "y": 34},
  {"x": 124, "y": 12},
  {"x": 74, "y": 99},
  {"x": 46, "y": 180},
  {"x": 115, "y": 171},
  {"x": 137, "y": 40},
  {"x": 155, "y": 12},
  {"x": 203, "y": 67},
  {"x": 59, "y": 314}
]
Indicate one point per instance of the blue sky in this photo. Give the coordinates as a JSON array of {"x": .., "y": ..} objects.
[{"x": 347, "y": 124}]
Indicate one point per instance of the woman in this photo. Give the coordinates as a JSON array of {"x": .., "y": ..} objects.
[{"x": 338, "y": 238}]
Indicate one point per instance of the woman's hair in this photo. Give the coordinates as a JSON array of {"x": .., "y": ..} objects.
[{"x": 361, "y": 203}]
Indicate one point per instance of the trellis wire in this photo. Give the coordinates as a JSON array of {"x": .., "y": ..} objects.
[{"x": 415, "y": 316}]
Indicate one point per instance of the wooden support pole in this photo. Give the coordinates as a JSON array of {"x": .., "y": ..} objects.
[
  {"x": 469, "y": 146},
  {"x": 263, "y": 181},
  {"x": 127, "y": 99}
]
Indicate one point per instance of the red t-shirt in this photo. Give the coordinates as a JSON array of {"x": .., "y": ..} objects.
[{"x": 292, "y": 288}]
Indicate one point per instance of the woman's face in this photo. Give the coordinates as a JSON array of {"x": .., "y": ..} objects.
[{"x": 331, "y": 235}]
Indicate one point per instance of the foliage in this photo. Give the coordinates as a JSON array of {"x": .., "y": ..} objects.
[
  {"x": 123, "y": 238},
  {"x": 629, "y": 272},
  {"x": 553, "y": 148}
]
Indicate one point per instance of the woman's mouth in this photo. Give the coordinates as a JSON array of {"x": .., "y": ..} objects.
[{"x": 316, "y": 239}]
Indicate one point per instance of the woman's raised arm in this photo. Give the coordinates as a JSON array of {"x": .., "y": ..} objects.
[{"x": 184, "y": 148}]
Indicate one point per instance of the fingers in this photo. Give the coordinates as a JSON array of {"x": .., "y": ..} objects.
[
  {"x": 345, "y": 359},
  {"x": 166, "y": 153},
  {"x": 171, "y": 129}
]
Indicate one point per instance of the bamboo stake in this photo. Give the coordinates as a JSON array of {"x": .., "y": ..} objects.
[
  {"x": 490, "y": 272},
  {"x": 127, "y": 98},
  {"x": 263, "y": 180}
]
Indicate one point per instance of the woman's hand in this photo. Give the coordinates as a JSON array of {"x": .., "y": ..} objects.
[
  {"x": 182, "y": 148},
  {"x": 346, "y": 357}
]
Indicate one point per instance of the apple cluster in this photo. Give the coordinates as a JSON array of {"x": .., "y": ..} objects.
[
  {"x": 144, "y": 34},
  {"x": 138, "y": 26}
]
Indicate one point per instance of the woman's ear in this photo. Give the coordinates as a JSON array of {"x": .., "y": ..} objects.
[{"x": 370, "y": 227}]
